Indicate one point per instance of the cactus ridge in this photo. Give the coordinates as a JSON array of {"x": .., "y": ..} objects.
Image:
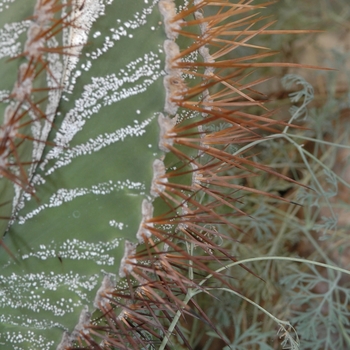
[{"x": 204, "y": 87}]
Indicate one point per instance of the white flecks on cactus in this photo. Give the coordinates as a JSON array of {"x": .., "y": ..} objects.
[
  {"x": 118, "y": 225},
  {"x": 104, "y": 91},
  {"x": 100, "y": 253},
  {"x": 75, "y": 37},
  {"x": 94, "y": 145},
  {"x": 36, "y": 292},
  {"x": 10, "y": 45},
  {"x": 66, "y": 195},
  {"x": 35, "y": 340},
  {"x": 123, "y": 30}
]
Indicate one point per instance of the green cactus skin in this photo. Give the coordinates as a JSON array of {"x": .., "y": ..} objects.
[{"x": 90, "y": 186}]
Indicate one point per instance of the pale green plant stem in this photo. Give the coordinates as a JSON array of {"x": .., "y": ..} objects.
[
  {"x": 190, "y": 249},
  {"x": 325, "y": 167},
  {"x": 344, "y": 332},
  {"x": 281, "y": 323},
  {"x": 338, "y": 145},
  {"x": 189, "y": 296},
  {"x": 332, "y": 290},
  {"x": 300, "y": 149},
  {"x": 302, "y": 153},
  {"x": 298, "y": 227},
  {"x": 192, "y": 292},
  {"x": 292, "y": 220},
  {"x": 315, "y": 244},
  {"x": 292, "y": 210},
  {"x": 285, "y": 258},
  {"x": 293, "y": 213},
  {"x": 295, "y": 115}
]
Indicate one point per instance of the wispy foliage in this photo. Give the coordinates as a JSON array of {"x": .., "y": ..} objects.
[
  {"x": 320, "y": 308},
  {"x": 303, "y": 96},
  {"x": 247, "y": 339}
]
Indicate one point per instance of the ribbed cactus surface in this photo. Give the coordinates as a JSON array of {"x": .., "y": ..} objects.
[{"x": 97, "y": 128}]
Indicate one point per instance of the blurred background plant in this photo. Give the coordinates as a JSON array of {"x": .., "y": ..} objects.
[{"x": 314, "y": 299}]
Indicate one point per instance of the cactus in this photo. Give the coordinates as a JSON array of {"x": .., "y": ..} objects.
[{"x": 119, "y": 172}]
